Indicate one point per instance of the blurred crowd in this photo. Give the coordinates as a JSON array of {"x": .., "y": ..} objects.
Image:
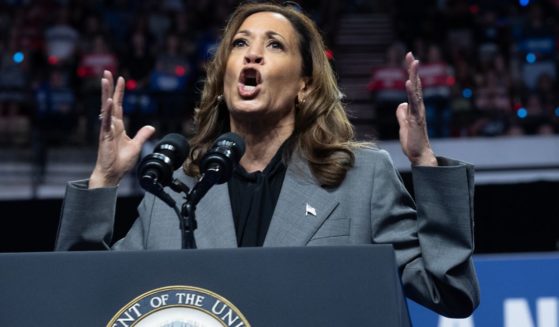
[
  {"x": 53, "y": 53},
  {"x": 488, "y": 68}
]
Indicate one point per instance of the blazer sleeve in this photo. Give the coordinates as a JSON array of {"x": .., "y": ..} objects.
[
  {"x": 432, "y": 238},
  {"x": 87, "y": 220}
]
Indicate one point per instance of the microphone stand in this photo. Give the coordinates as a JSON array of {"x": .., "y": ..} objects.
[
  {"x": 189, "y": 223},
  {"x": 187, "y": 216},
  {"x": 188, "y": 213}
]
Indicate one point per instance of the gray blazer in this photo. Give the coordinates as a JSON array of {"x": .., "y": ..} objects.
[{"x": 433, "y": 240}]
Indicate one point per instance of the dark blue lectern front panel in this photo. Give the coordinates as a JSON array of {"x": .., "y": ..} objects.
[{"x": 319, "y": 286}]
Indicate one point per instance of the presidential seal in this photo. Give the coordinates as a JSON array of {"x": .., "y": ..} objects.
[{"x": 179, "y": 306}]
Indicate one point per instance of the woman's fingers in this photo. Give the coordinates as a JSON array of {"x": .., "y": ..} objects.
[
  {"x": 118, "y": 97},
  {"x": 106, "y": 117},
  {"x": 109, "y": 76},
  {"x": 144, "y": 134},
  {"x": 402, "y": 114},
  {"x": 411, "y": 93},
  {"x": 111, "y": 100},
  {"x": 409, "y": 59},
  {"x": 105, "y": 93},
  {"x": 104, "y": 97},
  {"x": 107, "y": 89},
  {"x": 413, "y": 87}
]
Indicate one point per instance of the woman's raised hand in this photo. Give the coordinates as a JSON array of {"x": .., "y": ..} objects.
[
  {"x": 411, "y": 118},
  {"x": 117, "y": 153}
]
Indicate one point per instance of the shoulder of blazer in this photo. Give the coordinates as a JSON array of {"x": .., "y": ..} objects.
[
  {"x": 370, "y": 160},
  {"x": 372, "y": 154}
]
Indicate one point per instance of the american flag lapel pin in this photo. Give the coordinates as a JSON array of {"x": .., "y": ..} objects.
[{"x": 310, "y": 210}]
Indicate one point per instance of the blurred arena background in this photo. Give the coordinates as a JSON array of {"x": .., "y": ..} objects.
[{"x": 489, "y": 72}]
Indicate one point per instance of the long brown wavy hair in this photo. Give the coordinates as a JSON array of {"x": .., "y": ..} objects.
[{"x": 322, "y": 135}]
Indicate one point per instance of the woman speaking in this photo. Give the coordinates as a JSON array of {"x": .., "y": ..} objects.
[{"x": 303, "y": 179}]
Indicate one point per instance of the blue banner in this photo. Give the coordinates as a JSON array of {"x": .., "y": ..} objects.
[{"x": 516, "y": 291}]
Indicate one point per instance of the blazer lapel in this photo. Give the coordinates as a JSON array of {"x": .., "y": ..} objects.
[
  {"x": 216, "y": 228},
  {"x": 301, "y": 209}
]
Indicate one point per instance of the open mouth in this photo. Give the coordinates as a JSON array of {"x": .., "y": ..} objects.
[{"x": 249, "y": 80}]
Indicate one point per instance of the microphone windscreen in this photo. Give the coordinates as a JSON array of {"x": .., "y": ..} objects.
[
  {"x": 235, "y": 142},
  {"x": 175, "y": 146}
]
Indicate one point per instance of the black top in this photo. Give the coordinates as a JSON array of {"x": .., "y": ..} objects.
[{"x": 253, "y": 200}]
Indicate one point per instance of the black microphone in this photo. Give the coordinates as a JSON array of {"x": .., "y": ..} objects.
[
  {"x": 217, "y": 164},
  {"x": 156, "y": 169}
]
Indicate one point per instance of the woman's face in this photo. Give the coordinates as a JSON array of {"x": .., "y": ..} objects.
[{"x": 263, "y": 72}]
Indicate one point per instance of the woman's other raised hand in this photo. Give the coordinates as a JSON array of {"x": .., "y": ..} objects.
[
  {"x": 411, "y": 118},
  {"x": 117, "y": 152}
]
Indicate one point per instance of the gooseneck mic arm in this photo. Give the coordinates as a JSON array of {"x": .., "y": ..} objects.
[
  {"x": 217, "y": 164},
  {"x": 156, "y": 171},
  {"x": 217, "y": 168}
]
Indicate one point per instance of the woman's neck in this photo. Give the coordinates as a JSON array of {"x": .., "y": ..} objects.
[{"x": 262, "y": 143}]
